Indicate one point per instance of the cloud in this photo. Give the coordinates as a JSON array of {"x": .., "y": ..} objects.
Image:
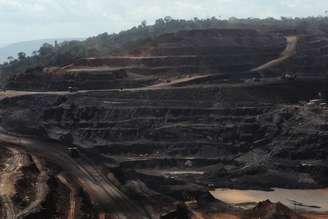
[{"x": 30, "y": 19}]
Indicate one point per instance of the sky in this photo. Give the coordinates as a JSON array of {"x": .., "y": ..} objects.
[{"x": 23, "y": 20}]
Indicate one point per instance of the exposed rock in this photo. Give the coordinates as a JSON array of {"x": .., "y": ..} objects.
[{"x": 269, "y": 210}]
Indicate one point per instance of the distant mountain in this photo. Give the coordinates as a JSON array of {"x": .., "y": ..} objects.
[{"x": 28, "y": 47}]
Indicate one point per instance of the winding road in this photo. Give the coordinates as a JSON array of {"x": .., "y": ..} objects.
[
  {"x": 289, "y": 51},
  {"x": 103, "y": 192}
]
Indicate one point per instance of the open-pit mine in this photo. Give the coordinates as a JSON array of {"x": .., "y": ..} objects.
[{"x": 214, "y": 123}]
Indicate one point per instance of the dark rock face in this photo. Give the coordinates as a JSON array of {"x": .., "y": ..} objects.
[
  {"x": 184, "y": 53},
  {"x": 227, "y": 143},
  {"x": 182, "y": 212}
]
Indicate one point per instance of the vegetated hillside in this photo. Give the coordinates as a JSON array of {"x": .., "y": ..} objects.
[
  {"x": 108, "y": 44},
  {"x": 27, "y": 47}
]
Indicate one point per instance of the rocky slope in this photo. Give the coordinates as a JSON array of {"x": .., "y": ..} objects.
[
  {"x": 192, "y": 118},
  {"x": 169, "y": 56}
]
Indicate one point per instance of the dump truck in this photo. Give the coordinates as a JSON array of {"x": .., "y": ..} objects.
[
  {"x": 72, "y": 89},
  {"x": 289, "y": 77},
  {"x": 73, "y": 152}
]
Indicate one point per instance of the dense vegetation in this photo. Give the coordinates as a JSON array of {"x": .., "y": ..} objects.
[{"x": 108, "y": 44}]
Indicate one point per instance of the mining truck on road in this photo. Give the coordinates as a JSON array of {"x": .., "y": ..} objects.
[
  {"x": 73, "y": 152},
  {"x": 289, "y": 77}
]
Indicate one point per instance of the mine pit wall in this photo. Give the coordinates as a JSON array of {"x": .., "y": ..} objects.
[
  {"x": 184, "y": 53},
  {"x": 41, "y": 81},
  {"x": 224, "y": 59},
  {"x": 23, "y": 113},
  {"x": 284, "y": 92},
  {"x": 217, "y": 37},
  {"x": 208, "y": 51},
  {"x": 213, "y": 124},
  {"x": 134, "y": 123},
  {"x": 85, "y": 81},
  {"x": 151, "y": 67}
]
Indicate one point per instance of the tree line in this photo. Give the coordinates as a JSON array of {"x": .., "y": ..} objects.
[{"x": 119, "y": 43}]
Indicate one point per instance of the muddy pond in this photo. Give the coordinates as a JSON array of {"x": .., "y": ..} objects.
[{"x": 308, "y": 200}]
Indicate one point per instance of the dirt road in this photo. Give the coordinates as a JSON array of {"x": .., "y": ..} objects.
[
  {"x": 8, "y": 179},
  {"x": 104, "y": 194},
  {"x": 286, "y": 54},
  {"x": 41, "y": 189},
  {"x": 9, "y": 176},
  {"x": 178, "y": 81},
  {"x": 72, "y": 197}
]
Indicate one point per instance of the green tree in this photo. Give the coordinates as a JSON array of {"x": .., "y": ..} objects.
[
  {"x": 144, "y": 24},
  {"x": 10, "y": 59},
  {"x": 21, "y": 56}
]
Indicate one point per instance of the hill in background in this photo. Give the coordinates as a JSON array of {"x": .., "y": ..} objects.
[
  {"x": 27, "y": 47},
  {"x": 143, "y": 35}
]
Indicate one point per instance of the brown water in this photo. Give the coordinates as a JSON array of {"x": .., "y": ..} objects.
[{"x": 310, "y": 200}]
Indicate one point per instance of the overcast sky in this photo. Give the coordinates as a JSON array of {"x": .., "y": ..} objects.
[{"x": 22, "y": 20}]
